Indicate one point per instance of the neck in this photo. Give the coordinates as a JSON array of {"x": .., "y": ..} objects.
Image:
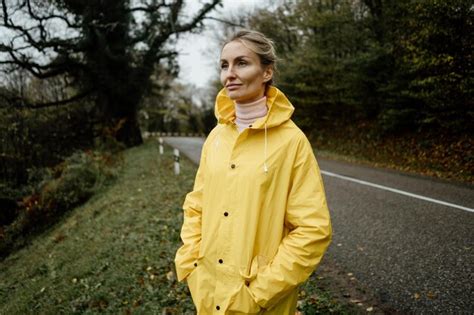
[{"x": 247, "y": 113}]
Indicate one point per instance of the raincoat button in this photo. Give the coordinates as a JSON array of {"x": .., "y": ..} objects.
[
  {"x": 247, "y": 283},
  {"x": 226, "y": 214},
  {"x": 220, "y": 261},
  {"x": 218, "y": 307},
  {"x": 232, "y": 166},
  {"x": 250, "y": 126},
  {"x": 195, "y": 264}
]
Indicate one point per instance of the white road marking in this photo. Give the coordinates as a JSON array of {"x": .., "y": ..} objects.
[{"x": 401, "y": 192}]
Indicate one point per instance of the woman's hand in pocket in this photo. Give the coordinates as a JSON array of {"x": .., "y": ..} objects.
[{"x": 243, "y": 302}]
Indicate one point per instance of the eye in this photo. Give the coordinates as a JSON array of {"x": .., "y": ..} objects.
[
  {"x": 242, "y": 63},
  {"x": 224, "y": 66}
]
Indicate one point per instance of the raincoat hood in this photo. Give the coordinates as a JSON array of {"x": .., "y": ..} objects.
[{"x": 279, "y": 109}]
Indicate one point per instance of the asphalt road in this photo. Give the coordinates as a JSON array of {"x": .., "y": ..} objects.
[{"x": 416, "y": 255}]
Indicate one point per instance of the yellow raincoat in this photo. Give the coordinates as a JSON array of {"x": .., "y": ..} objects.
[{"x": 256, "y": 224}]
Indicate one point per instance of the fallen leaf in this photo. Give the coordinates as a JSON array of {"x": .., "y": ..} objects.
[
  {"x": 137, "y": 303},
  {"x": 169, "y": 311},
  {"x": 416, "y": 295},
  {"x": 170, "y": 276},
  {"x": 369, "y": 309},
  {"x": 431, "y": 295}
]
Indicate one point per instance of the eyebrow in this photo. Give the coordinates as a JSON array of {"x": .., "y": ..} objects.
[{"x": 238, "y": 57}]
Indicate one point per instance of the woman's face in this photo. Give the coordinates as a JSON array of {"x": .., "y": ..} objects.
[{"x": 242, "y": 73}]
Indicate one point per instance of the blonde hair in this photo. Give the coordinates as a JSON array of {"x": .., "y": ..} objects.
[{"x": 259, "y": 44}]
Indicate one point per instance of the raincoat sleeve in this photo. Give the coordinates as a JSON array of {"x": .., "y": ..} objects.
[
  {"x": 307, "y": 217},
  {"x": 188, "y": 253}
]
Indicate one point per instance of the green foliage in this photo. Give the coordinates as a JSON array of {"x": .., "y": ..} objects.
[
  {"x": 435, "y": 48},
  {"x": 114, "y": 254},
  {"x": 406, "y": 65},
  {"x": 57, "y": 191},
  {"x": 321, "y": 303},
  {"x": 432, "y": 153},
  {"x": 318, "y": 68},
  {"x": 37, "y": 138}
]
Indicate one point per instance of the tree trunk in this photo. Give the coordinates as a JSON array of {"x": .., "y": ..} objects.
[{"x": 130, "y": 133}]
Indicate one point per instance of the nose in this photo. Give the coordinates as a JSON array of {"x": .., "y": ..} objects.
[{"x": 229, "y": 73}]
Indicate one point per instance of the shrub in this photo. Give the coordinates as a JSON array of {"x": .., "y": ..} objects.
[{"x": 60, "y": 189}]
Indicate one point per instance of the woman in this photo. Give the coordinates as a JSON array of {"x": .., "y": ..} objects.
[{"x": 256, "y": 223}]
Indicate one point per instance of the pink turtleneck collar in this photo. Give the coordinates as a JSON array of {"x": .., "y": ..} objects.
[{"x": 247, "y": 113}]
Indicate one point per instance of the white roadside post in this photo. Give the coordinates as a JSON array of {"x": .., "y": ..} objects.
[
  {"x": 160, "y": 140},
  {"x": 176, "y": 161}
]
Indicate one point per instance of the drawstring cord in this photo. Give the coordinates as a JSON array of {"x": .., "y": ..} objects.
[{"x": 265, "y": 168}]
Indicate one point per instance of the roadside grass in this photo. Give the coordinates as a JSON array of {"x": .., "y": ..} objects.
[
  {"x": 114, "y": 254},
  {"x": 316, "y": 298},
  {"x": 448, "y": 157}
]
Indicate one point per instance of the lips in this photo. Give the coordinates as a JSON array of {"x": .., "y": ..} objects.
[{"x": 233, "y": 86}]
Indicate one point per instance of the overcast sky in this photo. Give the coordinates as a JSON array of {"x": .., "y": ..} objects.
[{"x": 198, "y": 56}]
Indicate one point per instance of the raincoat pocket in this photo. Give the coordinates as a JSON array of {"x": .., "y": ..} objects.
[
  {"x": 243, "y": 303},
  {"x": 258, "y": 262}
]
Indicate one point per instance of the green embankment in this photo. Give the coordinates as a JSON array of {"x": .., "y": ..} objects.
[{"x": 115, "y": 253}]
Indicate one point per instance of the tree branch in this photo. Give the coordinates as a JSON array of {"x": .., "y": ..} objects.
[
  {"x": 54, "y": 68},
  {"x": 49, "y": 17},
  {"x": 17, "y": 99},
  {"x": 198, "y": 18},
  {"x": 54, "y": 43},
  {"x": 150, "y": 8},
  {"x": 158, "y": 41},
  {"x": 61, "y": 102},
  {"x": 230, "y": 23}
]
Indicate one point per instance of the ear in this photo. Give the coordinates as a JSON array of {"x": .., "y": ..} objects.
[{"x": 267, "y": 74}]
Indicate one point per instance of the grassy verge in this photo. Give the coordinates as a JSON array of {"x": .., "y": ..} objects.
[
  {"x": 114, "y": 254},
  {"x": 449, "y": 157},
  {"x": 52, "y": 193}
]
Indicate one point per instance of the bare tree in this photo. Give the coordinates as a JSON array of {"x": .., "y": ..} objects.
[{"x": 109, "y": 48}]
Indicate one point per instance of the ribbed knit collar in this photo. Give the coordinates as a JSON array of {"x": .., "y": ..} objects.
[{"x": 247, "y": 113}]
